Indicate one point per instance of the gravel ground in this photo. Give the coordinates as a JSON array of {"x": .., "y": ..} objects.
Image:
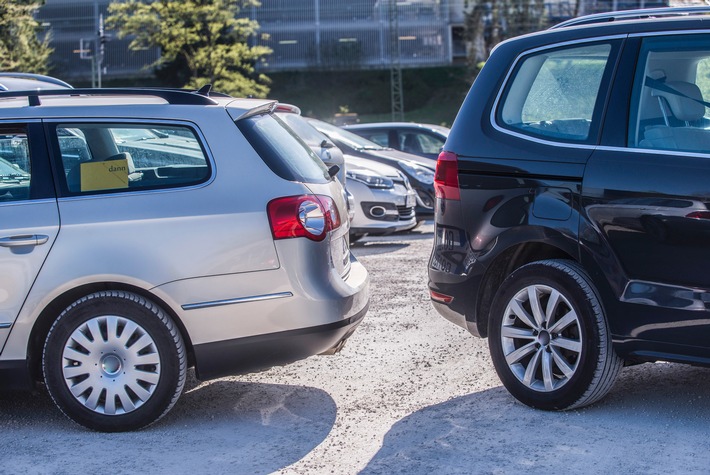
[{"x": 410, "y": 393}]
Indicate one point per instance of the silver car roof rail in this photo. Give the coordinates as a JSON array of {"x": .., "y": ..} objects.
[
  {"x": 172, "y": 96},
  {"x": 661, "y": 12}
]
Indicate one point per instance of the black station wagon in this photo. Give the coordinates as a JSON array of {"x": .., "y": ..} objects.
[{"x": 573, "y": 204}]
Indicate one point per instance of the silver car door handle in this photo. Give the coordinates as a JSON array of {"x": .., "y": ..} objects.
[{"x": 25, "y": 240}]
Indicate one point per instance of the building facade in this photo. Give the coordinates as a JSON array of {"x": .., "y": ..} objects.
[
  {"x": 359, "y": 34},
  {"x": 74, "y": 26},
  {"x": 303, "y": 34}
]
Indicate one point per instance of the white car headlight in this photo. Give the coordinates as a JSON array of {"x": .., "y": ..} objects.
[{"x": 373, "y": 181}]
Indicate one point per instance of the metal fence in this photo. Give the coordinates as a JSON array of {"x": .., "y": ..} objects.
[
  {"x": 303, "y": 34},
  {"x": 73, "y": 25},
  {"x": 357, "y": 34}
]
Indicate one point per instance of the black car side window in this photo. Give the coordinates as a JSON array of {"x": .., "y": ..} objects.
[
  {"x": 553, "y": 94},
  {"x": 669, "y": 108}
]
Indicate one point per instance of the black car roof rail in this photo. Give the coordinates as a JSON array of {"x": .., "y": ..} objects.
[
  {"x": 38, "y": 77},
  {"x": 660, "y": 12},
  {"x": 172, "y": 96}
]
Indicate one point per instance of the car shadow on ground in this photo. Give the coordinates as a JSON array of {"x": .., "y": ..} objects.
[
  {"x": 652, "y": 422},
  {"x": 216, "y": 427}
]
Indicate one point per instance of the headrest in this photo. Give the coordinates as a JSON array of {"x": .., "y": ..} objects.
[{"x": 684, "y": 105}]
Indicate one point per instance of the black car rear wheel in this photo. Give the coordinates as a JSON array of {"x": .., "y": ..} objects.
[{"x": 549, "y": 339}]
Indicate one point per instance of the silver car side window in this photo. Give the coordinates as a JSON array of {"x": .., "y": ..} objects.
[
  {"x": 115, "y": 157},
  {"x": 15, "y": 167}
]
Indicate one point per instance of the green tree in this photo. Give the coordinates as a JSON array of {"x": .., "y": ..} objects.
[
  {"x": 201, "y": 42},
  {"x": 21, "y": 48}
]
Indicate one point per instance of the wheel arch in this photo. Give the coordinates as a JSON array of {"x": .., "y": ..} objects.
[
  {"x": 503, "y": 265},
  {"x": 50, "y": 313}
]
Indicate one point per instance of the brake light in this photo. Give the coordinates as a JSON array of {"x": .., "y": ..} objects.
[
  {"x": 699, "y": 215},
  {"x": 309, "y": 216},
  {"x": 439, "y": 297},
  {"x": 446, "y": 179}
]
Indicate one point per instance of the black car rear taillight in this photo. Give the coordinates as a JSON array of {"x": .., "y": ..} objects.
[{"x": 446, "y": 179}]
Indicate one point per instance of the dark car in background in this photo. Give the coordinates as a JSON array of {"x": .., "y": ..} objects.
[
  {"x": 573, "y": 204},
  {"x": 418, "y": 170},
  {"x": 424, "y": 140}
]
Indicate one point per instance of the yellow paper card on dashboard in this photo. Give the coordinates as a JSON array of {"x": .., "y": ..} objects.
[{"x": 108, "y": 175}]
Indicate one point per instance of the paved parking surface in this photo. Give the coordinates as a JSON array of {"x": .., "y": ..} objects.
[{"x": 410, "y": 393}]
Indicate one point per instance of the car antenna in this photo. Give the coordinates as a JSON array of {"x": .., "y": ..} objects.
[{"x": 205, "y": 90}]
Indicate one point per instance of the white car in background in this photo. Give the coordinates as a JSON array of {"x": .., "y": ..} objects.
[
  {"x": 384, "y": 199},
  {"x": 10, "y": 81}
]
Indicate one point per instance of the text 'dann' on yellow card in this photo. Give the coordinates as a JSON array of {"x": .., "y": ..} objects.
[{"x": 108, "y": 175}]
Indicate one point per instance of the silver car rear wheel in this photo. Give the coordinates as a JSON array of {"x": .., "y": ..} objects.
[
  {"x": 114, "y": 361},
  {"x": 111, "y": 365}
]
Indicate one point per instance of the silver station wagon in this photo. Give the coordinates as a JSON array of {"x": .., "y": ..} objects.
[{"x": 146, "y": 231}]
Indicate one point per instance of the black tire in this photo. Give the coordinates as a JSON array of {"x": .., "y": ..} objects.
[
  {"x": 114, "y": 361},
  {"x": 564, "y": 358}
]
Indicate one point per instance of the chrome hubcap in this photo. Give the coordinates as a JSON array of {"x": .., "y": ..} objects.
[
  {"x": 541, "y": 338},
  {"x": 111, "y": 365}
]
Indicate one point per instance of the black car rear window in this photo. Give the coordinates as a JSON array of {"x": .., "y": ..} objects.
[{"x": 282, "y": 150}]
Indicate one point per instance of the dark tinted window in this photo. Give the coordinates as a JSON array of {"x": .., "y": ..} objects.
[
  {"x": 671, "y": 90},
  {"x": 554, "y": 93},
  {"x": 282, "y": 150}
]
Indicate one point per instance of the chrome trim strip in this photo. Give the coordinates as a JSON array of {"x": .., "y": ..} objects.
[
  {"x": 652, "y": 151},
  {"x": 537, "y": 140},
  {"x": 675, "y": 297},
  {"x": 28, "y": 202},
  {"x": 504, "y": 130},
  {"x": 5, "y": 325},
  {"x": 669, "y": 32},
  {"x": 219, "y": 303}
]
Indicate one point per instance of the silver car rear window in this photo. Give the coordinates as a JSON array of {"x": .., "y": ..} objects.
[{"x": 282, "y": 150}]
